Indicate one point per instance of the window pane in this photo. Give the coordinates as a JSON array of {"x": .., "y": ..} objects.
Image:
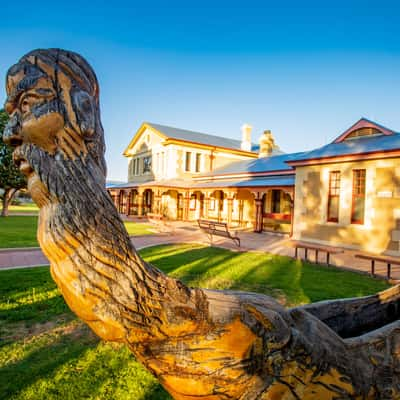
[
  {"x": 187, "y": 161},
  {"x": 358, "y": 210},
  {"x": 333, "y": 209},
  {"x": 138, "y": 166},
  {"x": 198, "y": 159},
  {"x": 358, "y": 206},
  {"x": 334, "y": 196},
  {"x": 276, "y": 201},
  {"x": 147, "y": 164}
]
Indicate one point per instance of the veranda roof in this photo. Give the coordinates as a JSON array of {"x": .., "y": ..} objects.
[
  {"x": 265, "y": 181},
  {"x": 173, "y": 183}
]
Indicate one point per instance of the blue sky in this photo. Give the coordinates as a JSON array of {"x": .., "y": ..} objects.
[{"x": 307, "y": 70}]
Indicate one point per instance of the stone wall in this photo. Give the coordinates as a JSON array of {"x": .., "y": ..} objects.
[{"x": 380, "y": 232}]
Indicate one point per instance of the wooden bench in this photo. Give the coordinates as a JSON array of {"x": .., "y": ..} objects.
[
  {"x": 314, "y": 247},
  {"x": 389, "y": 261},
  {"x": 218, "y": 229}
]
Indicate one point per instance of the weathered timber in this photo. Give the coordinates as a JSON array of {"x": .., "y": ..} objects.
[{"x": 200, "y": 344}]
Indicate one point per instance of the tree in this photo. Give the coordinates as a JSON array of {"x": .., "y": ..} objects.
[{"x": 11, "y": 179}]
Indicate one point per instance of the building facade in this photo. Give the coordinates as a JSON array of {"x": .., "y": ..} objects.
[{"x": 346, "y": 193}]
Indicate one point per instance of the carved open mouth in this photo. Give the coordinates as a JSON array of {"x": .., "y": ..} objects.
[
  {"x": 21, "y": 162},
  {"x": 14, "y": 141}
]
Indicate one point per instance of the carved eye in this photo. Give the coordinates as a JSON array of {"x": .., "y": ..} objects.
[
  {"x": 26, "y": 102},
  {"x": 25, "y": 106}
]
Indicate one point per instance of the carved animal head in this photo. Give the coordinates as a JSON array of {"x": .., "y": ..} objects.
[{"x": 53, "y": 103}]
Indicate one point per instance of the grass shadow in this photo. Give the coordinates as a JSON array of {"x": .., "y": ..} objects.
[{"x": 43, "y": 357}]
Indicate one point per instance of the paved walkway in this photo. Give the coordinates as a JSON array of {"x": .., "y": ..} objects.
[{"x": 189, "y": 233}]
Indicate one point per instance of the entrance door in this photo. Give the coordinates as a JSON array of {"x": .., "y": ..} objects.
[{"x": 148, "y": 201}]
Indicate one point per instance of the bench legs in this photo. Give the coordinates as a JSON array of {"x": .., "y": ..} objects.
[
  {"x": 388, "y": 272},
  {"x": 296, "y": 255}
]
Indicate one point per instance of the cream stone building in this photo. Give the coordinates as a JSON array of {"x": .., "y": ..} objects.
[{"x": 346, "y": 193}]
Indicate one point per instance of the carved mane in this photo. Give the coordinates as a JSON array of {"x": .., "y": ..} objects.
[{"x": 201, "y": 344}]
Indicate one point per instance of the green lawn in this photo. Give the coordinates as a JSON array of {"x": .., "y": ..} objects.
[
  {"x": 26, "y": 208},
  {"x": 138, "y": 228},
  {"x": 20, "y": 231},
  {"x": 46, "y": 353}
]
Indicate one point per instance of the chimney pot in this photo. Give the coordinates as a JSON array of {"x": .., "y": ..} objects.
[{"x": 246, "y": 137}]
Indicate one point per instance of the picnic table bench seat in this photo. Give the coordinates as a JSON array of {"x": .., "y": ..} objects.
[
  {"x": 389, "y": 261},
  {"x": 218, "y": 229},
  {"x": 316, "y": 248}
]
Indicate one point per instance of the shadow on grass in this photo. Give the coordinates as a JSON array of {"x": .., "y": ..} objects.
[
  {"x": 213, "y": 268},
  {"x": 157, "y": 392},
  {"x": 41, "y": 362},
  {"x": 35, "y": 312},
  {"x": 292, "y": 282},
  {"x": 77, "y": 365}
]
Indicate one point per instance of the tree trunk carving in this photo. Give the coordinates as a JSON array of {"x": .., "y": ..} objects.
[{"x": 200, "y": 344}]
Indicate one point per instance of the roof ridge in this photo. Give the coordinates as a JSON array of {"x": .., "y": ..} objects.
[{"x": 192, "y": 131}]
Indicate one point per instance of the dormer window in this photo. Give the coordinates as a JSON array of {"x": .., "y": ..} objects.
[{"x": 370, "y": 131}]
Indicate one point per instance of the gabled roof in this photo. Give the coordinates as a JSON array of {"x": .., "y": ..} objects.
[
  {"x": 384, "y": 143},
  {"x": 363, "y": 123},
  {"x": 362, "y": 147},
  {"x": 271, "y": 164},
  {"x": 169, "y": 132}
]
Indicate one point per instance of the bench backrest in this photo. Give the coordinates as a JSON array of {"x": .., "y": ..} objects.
[{"x": 205, "y": 224}]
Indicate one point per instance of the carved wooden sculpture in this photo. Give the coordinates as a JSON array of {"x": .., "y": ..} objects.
[{"x": 200, "y": 344}]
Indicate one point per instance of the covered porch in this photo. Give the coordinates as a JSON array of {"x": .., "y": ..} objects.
[{"x": 258, "y": 204}]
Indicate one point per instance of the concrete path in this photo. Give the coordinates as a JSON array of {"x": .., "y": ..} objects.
[
  {"x": 18, "y": 258},
  {"x": 189, "y": 233}
]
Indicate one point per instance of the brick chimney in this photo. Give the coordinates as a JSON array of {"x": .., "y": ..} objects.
[
  {"x": 246, "y": 137},
  {"x": 267, "y": 144}
]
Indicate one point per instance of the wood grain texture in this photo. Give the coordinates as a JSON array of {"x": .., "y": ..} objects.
[{"x": 200, "y": 344}]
